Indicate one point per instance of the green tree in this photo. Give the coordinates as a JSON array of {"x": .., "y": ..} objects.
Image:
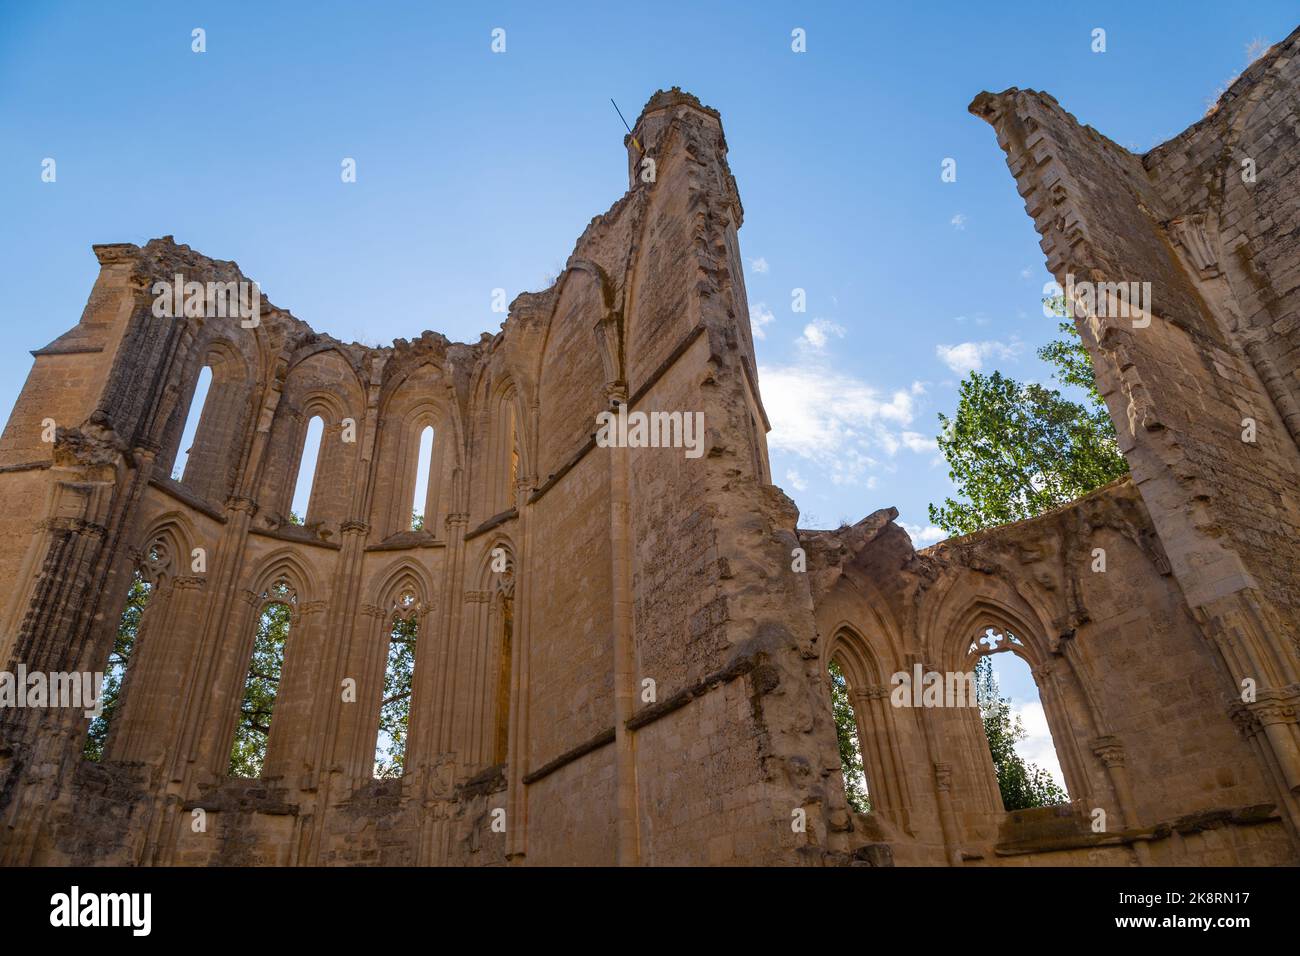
[
  {"x": 1015, "y": 450},
  {"x": 846, "y": 729},
  {"x": 417, "y": 521},
  {"x": 395, "y": 710},
  {"x": 127, "y": 628},
  {"x": 1023, "y": 785},
  {"x": 248, "y": 752}
]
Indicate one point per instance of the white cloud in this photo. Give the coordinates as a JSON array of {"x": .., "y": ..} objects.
[
  {"x": 1025, "y": 273},
  {"x": 915, "y": 441},
  {"x": 923, "y": 536},
  {"x": 818, "y": 332},
  {"x": 958, "y": 221},
  {"x": 839, "y": 424},
  {"x": 971, "y": 356},
  {"x": 759, "y": 265},
  {"x": 796, "y": 480},
  {"x": 759, "y": 316}
]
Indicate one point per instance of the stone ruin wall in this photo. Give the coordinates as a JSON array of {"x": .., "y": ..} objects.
[
  {"x": 1134, "y": 694},
  {"x": 627, "y": 565},
  {"x": 1221, "y": 250},
  {"x": 644, "y": 564}
]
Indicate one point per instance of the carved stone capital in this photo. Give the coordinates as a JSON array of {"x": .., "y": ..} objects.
[
  {"x": 616, "y": 393},
  {"x": 1276, "y": 706},
  {"x": 354, "y": 526},
  {"x": 240, "y": 503},
  {"x": 1110, "y": 750}
]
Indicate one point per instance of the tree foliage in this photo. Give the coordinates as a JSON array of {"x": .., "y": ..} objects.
[
  {"x": 1023, "y": 785},
  {"x": 128, "y": 627},
  {"x": 1016, "y": 450},
  {"x": 395, "y": 710},
  {"x": 248, "y": 751},
  {"x": 846, "y": 729}
]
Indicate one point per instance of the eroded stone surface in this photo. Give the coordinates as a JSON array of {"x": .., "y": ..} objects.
[{"x": 626, "y": 565}]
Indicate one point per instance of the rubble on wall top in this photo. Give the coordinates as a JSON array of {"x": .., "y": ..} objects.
[
  {"x": 164, "y": 256},
  {"x": 676, "y": 96}
]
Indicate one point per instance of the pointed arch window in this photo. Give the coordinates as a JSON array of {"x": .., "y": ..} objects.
[
  {"x": 308, "y": 462},
  {"x": 124, "y": 644},
  {"x": 1019, "y": 737},
  {"x": 421, "y": 500},
  {"x": 848, "y": 735},
  {"x": 505, "y": 597},
  {"x": 198, "y": 402},
  {"x": 506, "y": 458},
  {"x": 399, "y": 672},
  {"x": 866, "y": 729},
  {"x": 511, "y": 443},
  {"x": 203, "y": 439},
  {"x": 145, "y": 580},
  {"x": 262, "y": 681}
]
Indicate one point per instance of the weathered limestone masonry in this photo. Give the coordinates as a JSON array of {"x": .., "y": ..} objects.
[
  {"x": 624, "y": 565},
  {"x": 1212, "y": 220},
  {"x": 1137, "y": 699},
  {"x": 637, "y": 565}
]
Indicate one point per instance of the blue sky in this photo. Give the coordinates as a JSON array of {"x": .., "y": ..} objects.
[{"x": 478, "y": 170}]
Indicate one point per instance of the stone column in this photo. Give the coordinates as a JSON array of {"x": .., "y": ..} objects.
[
  {"x": 947, "y": 818},
  {"x": 620, "y": 525}
]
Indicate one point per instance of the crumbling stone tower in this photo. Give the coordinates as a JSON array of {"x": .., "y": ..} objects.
[{"x": 625, "y": 569}]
